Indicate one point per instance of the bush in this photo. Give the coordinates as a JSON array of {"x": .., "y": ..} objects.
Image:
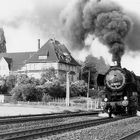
[
  {"x": 95, "y": 93},
  {"x": 57, "y": 90},
  {"x": 52, "y": 90},
  {"x": 46, "y": 98},
  {"x": 11, "y": 82},
  {"x": 22, "y": 79},
  {"x": 79, "y": 88},
  {"x": 26, "y": 92},
  {"x": 80, "y": 100}
]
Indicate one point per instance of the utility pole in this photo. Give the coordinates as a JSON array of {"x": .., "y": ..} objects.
[
  {"x": 88, "y": 89},
  {"x": 88, "y": 83},
  {"x": 87, "y": 86},
  {"x": 67, "y": 89}
]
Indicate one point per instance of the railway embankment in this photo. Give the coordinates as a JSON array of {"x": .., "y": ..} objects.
[{"x": 110, "y": 131}]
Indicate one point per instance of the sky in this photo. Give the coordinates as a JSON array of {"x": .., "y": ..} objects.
[{"x": 26, "y": 21}]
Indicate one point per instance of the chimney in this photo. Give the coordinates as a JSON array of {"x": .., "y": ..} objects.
[{"x": 38, "y": 44}]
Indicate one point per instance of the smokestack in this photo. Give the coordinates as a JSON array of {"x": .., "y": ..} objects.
[
  {"x": 38, "y": 44},
  {"x": 119, "y": 63}
]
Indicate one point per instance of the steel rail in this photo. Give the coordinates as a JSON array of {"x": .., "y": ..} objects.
[
  {"x": 49, "y": 114},
  {"x": 46, "y": 131},
  {"x": 131, "y": 136},
  {"x": 28, "y": 118}
]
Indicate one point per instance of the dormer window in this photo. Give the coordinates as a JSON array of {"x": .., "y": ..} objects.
[
  {"x": 42, "y": 57},
  {"x": 65, "y": 53}
]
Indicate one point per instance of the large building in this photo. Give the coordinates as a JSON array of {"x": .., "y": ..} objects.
[{"x": 51, "y": 54}]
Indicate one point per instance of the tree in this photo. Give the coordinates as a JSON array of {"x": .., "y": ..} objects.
[
  {"x": 33, "y": 81},
  {"x": 11, "y": 82},
  {"x": 101, "y": 66},
  {"x": 94, "y": 66},
  {"x": 78, "y": 88},
  {"x": 2, "y": 41},
  {"x": 48, "y": 75},
  {"x": 7, "y": 84},
  {"x": 22, "y": 79},
  {"x": 57, "y": 90},
  {"x": 3, "y": 86},
  {"x": 89, "y": 67}
]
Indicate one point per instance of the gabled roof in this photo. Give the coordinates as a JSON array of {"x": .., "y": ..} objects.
[
  {"x": 18, "y": 59},
  {"x": 8, "y": 60},
  {"x": 45, "y": 50},
  {"x": 53, "y": 51}
]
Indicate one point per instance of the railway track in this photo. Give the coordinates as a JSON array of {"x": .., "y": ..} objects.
[
  {"x": 133, "y": 136},
  {"x": 47, "y": 131},
  {"x": 28, "y": 118}
]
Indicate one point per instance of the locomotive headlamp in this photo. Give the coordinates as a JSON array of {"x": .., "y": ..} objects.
[
  {"x": 105, "y": 99},
  {"x": 125, "y": 97}
]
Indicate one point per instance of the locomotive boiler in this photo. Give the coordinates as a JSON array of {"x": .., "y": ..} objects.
[{"x": 121, "y": 91}]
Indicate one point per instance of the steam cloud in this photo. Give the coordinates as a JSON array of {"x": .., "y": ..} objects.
[
  {"x": 102, "y": 19},
  {"x": 39, "y": 16}
]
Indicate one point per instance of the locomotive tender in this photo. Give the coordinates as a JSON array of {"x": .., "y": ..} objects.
[{"x": 121, "y": 94}]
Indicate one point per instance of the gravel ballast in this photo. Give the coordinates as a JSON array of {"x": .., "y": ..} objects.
[
  {"x": 41, "y": 123},
  {"x": 110, "y": 131}
]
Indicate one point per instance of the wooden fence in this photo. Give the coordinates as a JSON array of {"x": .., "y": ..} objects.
[{"x": 92, "y": 104}]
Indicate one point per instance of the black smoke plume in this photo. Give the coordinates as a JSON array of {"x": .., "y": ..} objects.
[
  {"x": 101, "y": 18},
  {"x": 133, "y": 38}
]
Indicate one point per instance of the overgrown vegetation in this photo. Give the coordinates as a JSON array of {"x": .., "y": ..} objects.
[{"x": 24, "y": 88}]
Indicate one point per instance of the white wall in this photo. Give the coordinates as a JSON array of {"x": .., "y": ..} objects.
[
  {"x": 4, "y": 69},
  {"x": 39, "y": 66},
  {"x": 66, "y": 67},
  {"x": 36, "y": 69}
]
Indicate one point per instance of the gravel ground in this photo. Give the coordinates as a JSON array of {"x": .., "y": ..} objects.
[
  {"x": 10, "y": 109},
  {"x": 111, "y": 131},
  {"x": 138, "y": 138}
]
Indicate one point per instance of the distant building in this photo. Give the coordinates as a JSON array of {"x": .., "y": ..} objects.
[
  {"x": 5, "y": 98},
  {"x": 13, "y": 62},
  {"x": 51, "y": 54}
]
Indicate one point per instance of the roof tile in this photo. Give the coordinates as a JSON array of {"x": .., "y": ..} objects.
[
  {"x": 18, "y": 59},
  {"x": 54, "y": 52}
]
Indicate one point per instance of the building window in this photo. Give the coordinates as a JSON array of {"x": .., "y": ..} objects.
[{"x": 42, "y": 57}]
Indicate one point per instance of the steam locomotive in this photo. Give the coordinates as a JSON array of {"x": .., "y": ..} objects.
[{"x": 121, "y": 91}]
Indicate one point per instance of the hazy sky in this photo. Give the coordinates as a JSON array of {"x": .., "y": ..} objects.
[{"x": 24, "y": 21}]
